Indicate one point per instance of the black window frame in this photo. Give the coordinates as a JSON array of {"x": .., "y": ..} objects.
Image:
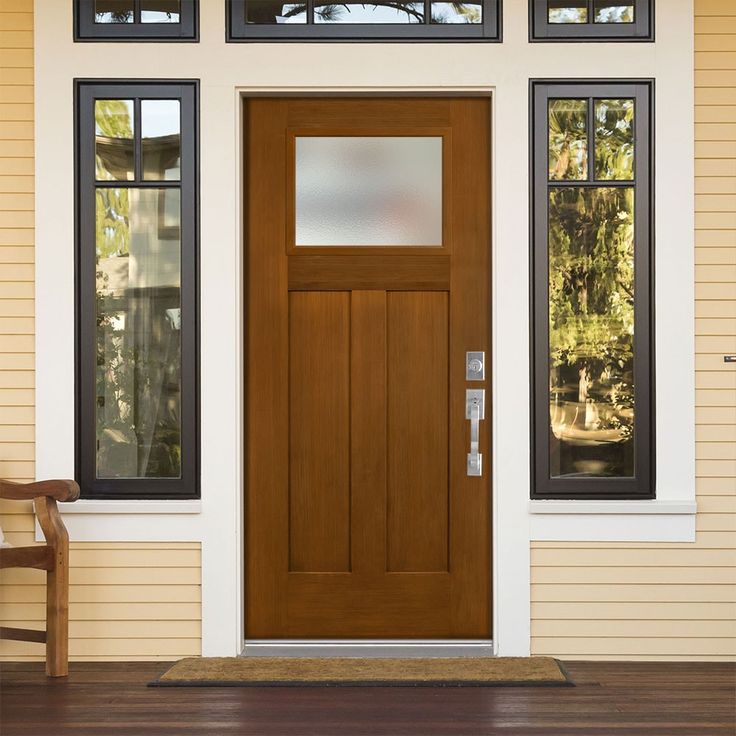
[
  {"x": 86, "y": 91},
  {"x": 642, "y": 485},
  {"x": 85, "y": 28},
  {"x": 490, "y": 30},
  {"x": 642, "y": 29}
]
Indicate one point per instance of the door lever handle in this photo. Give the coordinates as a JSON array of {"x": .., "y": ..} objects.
[{"x": 475, "y": 411}]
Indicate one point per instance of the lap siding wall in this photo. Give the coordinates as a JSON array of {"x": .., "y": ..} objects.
[
  {"x": 127, "y": 601},
  {"x": 673, "y": 601}
]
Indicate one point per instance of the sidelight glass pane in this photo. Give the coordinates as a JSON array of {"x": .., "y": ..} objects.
[
  {"x": 568, "y": 139},
  {"x": 457, "y": 13},
  {"x": 114, "y": 11},
  {"x": 591, "y": 332},
  {"x": 564, "y": 11},
  {"x": 377, "y": 12},
  {"x": 380, "y": 190},
  {"x": 268, "y": 11},
  {"x": 160, "y": 11},
  {"x": 605, "y": 11},
  {"x": 614, "y": 139},
  {"x": 161, "y": 139},
  {"x": 138, "y": 375},
  {"x": 114, "y": 153}
]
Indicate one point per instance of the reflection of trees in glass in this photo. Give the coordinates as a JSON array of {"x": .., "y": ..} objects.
[
  {"x": 591, "y": 324},
  {"x": 568, "y": 139},
  {"x": 566, "y": 12},
  {"x": 138, "y": 342},
  {"x": 606, "y": 12},
  {"x": 457, "y": 13},
  {"x": 114, "y": 140},
  {"x": 264, "y": 11},
  {"x": 614, "y": 139}
]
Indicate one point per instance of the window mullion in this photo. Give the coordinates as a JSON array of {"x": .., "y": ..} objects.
[{"x": 137, "y": 142}]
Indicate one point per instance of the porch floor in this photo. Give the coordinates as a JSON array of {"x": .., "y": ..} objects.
[{"x": 111, "y": 698}]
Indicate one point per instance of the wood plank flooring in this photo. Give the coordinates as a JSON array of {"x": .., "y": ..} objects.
[{"x": 625, "y": 699}]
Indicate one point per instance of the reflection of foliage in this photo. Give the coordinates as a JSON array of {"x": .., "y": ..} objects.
[
  {"x": 591, "y": 299},
  {"x": 461, "y": 12},
  {"x": 113, "y": 118},
  {"x": 615, "y": 14},
  {"x": 568, "y": 142},
  {"x": 268, "y": 12},
  {"x": 112, "y": 222},
  {"x": 114, "y": 16},
  {"x": 614, "y": 139},
  {"x": 138, "y": 354}
]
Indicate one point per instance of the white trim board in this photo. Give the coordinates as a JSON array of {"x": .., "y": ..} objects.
[{"x": 229, "y": 71}]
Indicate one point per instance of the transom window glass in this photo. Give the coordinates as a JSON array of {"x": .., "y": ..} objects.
[
  {"x": 253, "y": 19},
  {"x": 137, "y": 294},
  {"x": 592, "y": 351},
  {"x": 135, "y": 19},
  {"x": 591, "y": 19}
]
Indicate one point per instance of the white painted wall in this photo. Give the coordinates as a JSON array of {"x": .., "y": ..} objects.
[{"x": 228, "y": 71}]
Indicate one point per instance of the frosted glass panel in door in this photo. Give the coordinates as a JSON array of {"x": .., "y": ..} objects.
[{"x": 381, "y": 190}]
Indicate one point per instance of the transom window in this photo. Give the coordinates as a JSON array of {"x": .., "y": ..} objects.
[
  {"x": 155, "y": 20},
  {"x": 591, "y": 255},
  {"x": 591, "y": 20},
  {"x": 320, "y": 20}
]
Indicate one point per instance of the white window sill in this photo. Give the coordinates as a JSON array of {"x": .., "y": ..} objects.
[
  {"x": 97, "y": 506},
  {"x": 612, "y": 521},
  {"x": 131, "y": 521},
  {"x": 653, "y": 506}
]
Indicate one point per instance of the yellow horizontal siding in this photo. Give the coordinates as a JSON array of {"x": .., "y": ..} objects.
[
  {"x": 673, "y": 601},
  {"x": 127, "y": 601},
  {"x": 139, "y": 601}
]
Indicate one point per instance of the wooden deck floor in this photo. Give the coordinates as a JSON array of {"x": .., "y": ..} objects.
[{"x": 111, "y": 699}]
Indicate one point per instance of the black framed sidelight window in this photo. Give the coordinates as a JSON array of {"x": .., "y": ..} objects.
[
  {"x": 139, "y": 20},
  {"x": 315, "y": 20},
  {"x": 591, "y": 20},
  {"x": 137, "y": 345},
  {"x": 592, "y": 255}
]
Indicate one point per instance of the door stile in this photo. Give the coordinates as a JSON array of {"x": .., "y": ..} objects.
[{"x": 470, "y": 307}]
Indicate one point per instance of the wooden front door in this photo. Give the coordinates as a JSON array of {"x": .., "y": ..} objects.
[{"x": 367, "y": 281}]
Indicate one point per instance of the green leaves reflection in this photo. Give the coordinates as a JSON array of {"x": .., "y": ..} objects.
[{"x": 591, "y": 329}]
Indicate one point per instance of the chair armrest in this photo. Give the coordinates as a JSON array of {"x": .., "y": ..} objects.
[{"x": 59, "y": 490}]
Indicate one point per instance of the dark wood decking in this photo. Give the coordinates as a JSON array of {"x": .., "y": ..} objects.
[{"x": 111, "y": 699}]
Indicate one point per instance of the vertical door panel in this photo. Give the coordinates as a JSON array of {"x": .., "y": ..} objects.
[
  {"x": 417, "y": 503},
  {"x": 319, "y": 431}
]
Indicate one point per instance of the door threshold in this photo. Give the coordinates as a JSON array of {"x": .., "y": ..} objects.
[{"x": 398, "y": 648}]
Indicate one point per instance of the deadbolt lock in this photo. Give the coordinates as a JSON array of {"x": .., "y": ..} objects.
[{"x": 475, "y": 368}]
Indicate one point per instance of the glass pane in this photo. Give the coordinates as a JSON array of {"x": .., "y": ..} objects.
[
  {"x": 568, "y": 139},
  {"x": 160, "y": 124},
  {"x": 614, "y": 139},
  {"x": 612, "y": 12},
  {"x": 564, "y": 11},
  {"x": 457, "y": 13},
  {"x": 591, "y": 332},
  {"x": 114, "y": 158},
  {"x": 138, "y": 375},
  {"x": 160, "y": 11},
  {"x": 369, "y": 191},
  {"x": 357, "y": 12},
  {"x": 267, "y": 11},
  {"x": 114, "y": 11}
]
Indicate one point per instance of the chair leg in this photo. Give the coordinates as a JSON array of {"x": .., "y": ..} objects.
[{"x": 57, "y": 615}]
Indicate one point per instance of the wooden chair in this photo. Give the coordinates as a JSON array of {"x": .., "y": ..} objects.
[{"x": 52, "y": 557}]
